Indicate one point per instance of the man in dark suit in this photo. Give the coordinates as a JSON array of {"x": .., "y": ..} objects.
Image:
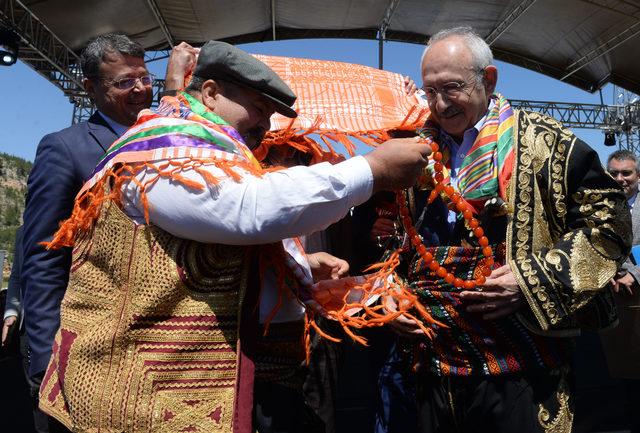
[
  {"x": 118, "y": 82},
  {"x": 622, "y": 344}
]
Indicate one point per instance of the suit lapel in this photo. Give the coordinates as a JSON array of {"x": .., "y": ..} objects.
[{"x": 101, "y": 131}]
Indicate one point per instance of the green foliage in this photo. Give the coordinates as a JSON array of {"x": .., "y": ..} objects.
[{"x": 14, "y": 172}]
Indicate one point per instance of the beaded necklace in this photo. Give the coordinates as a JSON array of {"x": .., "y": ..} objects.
[{"x": 460, "y": 206}]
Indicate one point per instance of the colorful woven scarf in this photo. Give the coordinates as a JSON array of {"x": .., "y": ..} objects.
[
  {"x": 486, "y": 168},
  {"x": 337, "y": 102}
]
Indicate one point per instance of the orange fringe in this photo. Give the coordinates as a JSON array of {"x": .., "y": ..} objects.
[
  {"x": 386, "y": 284},
  {"x": 299, "y": 139},
  {"x": 87, "y": 207}
]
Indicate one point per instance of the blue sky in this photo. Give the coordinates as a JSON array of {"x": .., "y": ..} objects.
[{"x": 33, "y": 107}]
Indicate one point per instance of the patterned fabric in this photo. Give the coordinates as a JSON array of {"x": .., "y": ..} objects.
[
  {"x": 180, "y": 128},
  {"x": 566, "y": 232},
  {"x": 468, "y": 345},
  {"x": 336, "y": 102},
  {"x": 486, "y": 168},
  {"x": 149, "y": 334}
]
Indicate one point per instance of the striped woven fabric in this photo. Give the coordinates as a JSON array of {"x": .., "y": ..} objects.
[
  {"x": 479, "y": 177},
  {"x": 178, "y": 129},
  {"x": 338, "y": 102},
  {"x": 468, "y": 345},
  {"x": 346, "y": 97}
]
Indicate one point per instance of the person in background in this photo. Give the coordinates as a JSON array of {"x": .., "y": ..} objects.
[
  {"x": 622, "y": 344},
  {"x": 119, "y": 84}
]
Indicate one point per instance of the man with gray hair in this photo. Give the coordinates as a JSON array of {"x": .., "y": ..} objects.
[
  {"x": 513, "y": 245},
  {"x": 622, "y": 344},
  {"x": 118, "y": 82}
]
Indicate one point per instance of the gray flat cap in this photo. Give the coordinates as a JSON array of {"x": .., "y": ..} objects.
[{"x": 226, "y": 62}]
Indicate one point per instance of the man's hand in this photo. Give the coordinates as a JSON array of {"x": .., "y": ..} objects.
[
  {"x": 409, "y": 86},
  {"x": 7, "y": 329},
  {"x": 626, "y": 283},
  {"x": 402, "y": 325},
  {"x": 397, "y": 163},
  {"x": 382, "y": 229},
  {"x": 498, "y": 297},
  {"x": 181, "y": 61},
  {"x": 324, "y": 266}
]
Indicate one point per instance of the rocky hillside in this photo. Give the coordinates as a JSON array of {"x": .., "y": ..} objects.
[{"x": 13, "y": 186}]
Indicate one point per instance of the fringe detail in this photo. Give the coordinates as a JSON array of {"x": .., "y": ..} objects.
[
  {"x": 387, "y": 285},
  {"x": 87, "y": 207},
  {"x": 324, "y": 149}
]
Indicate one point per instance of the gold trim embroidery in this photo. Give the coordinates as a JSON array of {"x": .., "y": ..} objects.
[{"x": 563, "y": 421}]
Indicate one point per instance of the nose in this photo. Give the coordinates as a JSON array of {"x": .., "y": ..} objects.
[
  {"x": 442, "y": 102},
  {"x": 138, "y": 87},
  {"x": 265, "y": 123}
]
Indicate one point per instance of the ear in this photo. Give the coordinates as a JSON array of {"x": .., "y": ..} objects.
[
  {"x": 210, "y": 92},
  {"x": 490, "y": 78},
  {"x": 90, "y": 87}
]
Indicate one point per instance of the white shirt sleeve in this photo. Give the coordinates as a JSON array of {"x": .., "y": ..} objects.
[{"x": 256, "y": 210}]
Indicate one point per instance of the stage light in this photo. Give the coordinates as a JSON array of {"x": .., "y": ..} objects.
[
  {"x": 8, "y": 48},
  {"x": 609, "y": 138}
]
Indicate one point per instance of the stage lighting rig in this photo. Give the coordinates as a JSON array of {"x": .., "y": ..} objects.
[{"x": 8, "y": 47}]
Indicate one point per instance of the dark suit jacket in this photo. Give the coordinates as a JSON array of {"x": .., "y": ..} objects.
[
  {"x": 64, "y": 161},
  {"x": 622, "y": 344}
]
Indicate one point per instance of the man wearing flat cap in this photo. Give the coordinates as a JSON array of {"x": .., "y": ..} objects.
[{"x": 179, "y": 238}]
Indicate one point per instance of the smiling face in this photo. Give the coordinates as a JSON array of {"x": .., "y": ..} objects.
[
  {"x": 625, "y": 172},
  {"x": 121, "y": 105},
  {"x": 449, "y": 65}
]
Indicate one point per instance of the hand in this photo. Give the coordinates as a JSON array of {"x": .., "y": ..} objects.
[
  {"x": 181, "y": 61},
  {"x": 7, "y": 329},
  {"x": 324, "y": 266},
  {"x": 397, "y": 163},
  {"x": 626, "y": 282},
  {"x": 498, "y": 297},
  {"x": 382, "y": 229},
  {"x": 402, "y": 325},
  {"x": 409, "y": 86}
]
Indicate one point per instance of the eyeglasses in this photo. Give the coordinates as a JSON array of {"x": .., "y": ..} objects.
[
  {"x": 129, "y": 82},
  {"x": 451, "y": 90},
  {"x": 624, "y": 173}
]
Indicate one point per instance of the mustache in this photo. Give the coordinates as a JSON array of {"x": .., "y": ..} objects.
[
  {"x": 450, "y": 111},
  {"x": 254, "y": 135}
]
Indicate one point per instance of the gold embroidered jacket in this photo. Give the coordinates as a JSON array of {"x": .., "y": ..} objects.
[{"x": 569, "y": 231}]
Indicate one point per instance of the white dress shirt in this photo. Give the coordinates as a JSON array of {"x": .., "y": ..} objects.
[{"x": 256, "y": 210}]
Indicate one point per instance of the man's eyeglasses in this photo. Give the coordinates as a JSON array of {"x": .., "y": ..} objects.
[
  {"x": 451, "y": 90},
  {"x": 129, "y": 82},
  {"x": 624, "y": 173}
]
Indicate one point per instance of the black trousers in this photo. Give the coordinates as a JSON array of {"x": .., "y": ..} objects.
[
  {"x": 529, "y": 403},
  {"x": 281, "y": 409}
]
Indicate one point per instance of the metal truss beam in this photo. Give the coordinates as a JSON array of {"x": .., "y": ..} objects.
[
  {"x": 382, "y": 30},
  {"x": 602, "y": 49},
  {"x": 508, "y": 20},
  {"x": 273, "y": 19},
  {"x": 152, "y": 56},
  {"x": 161, "y": 22},
  {"x": 41, "y": 49},
  {"x": 572, "y": 115}
]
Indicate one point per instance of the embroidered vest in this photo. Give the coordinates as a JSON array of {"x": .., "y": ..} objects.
[{"x": 149, "y": 335}]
